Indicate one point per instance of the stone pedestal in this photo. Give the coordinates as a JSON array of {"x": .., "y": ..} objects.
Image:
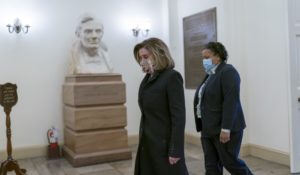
[{"x": 95, "y": 119}]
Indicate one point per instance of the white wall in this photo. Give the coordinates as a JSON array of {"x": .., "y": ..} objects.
[
  {"x": 227, "y": 32},
  {"x": 254, "y": 32},
  {"x": 186, "y": 8},
  {"x": 255, "y": 35},
  {"x": 37, "y": 61},
  {"x": 267, "y": 73}
]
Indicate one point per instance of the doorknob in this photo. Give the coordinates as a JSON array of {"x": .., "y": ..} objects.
[{"x": 298, "y": 99}]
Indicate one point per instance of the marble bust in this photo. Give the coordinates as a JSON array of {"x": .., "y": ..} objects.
[{"x": 89, "y": 53}]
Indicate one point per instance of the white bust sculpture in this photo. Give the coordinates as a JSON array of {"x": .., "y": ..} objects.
[{"x": 89, "y": 53}]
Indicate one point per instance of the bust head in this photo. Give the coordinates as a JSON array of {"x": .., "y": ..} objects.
[
  {"x": 90, "y": 32},
  {"x": 89, "y": 53}
]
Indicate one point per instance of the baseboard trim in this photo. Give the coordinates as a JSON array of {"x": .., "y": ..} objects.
[
  {"x": 26, "y": 152},
  {"x": 251, "y": 149},
  {"x": 269, "y": 154},
  {"x": 41, "y": 150},
  {"x": 246, "y": 149},
  {"x": 194, "y": 139},
  {"x": 133, "y": 140}
]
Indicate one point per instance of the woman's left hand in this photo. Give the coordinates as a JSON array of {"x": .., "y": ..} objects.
[{"x": 173, "y": 160}]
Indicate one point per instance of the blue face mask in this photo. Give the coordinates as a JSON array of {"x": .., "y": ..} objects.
[{"x": 208, "y": 65}]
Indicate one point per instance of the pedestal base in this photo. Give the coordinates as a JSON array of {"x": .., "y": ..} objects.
[
  {"x": 11, "y": 165},
  {"x": 95, "y": 119},
  {"x": 77, "y": 160}
]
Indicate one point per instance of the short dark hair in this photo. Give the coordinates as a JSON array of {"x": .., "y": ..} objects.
[{"x": 218, "y": 49}]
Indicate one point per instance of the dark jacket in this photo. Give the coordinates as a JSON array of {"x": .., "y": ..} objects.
[
  {"x": 220, "y": 103},
  {"x": 161, "y": 100}
]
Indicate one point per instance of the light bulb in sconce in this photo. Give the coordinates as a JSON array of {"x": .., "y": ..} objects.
[
  {"x": 143, "y": 28},
  {"x": 136, "y": 31},
  {"x": 17, "y": 27},
  {"x": 146, "y": 27}
]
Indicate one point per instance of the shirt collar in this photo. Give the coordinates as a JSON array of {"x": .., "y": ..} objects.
[{"x": 213, "y": 70}]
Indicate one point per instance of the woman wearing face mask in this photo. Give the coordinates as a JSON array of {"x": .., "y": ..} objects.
[
  {"x": 218, "y": 113},
  {"x": 161, "y": 100}
]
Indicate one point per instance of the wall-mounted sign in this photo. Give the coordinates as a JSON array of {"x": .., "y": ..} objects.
[
  {"x": 8, "y": 95},
  {"x": 198, "y": 29}
]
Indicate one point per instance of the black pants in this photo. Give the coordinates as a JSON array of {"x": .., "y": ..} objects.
[{"x": 217, "y": 155}]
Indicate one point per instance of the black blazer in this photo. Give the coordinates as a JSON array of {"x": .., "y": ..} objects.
[
  {"x": 161, "y": 100},
  {"x": 220, "y": 103}
]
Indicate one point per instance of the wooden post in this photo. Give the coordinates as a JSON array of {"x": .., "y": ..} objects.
[{"x": 8, "y": 98}]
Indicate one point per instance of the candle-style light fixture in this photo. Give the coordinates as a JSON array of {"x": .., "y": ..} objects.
[
  {"x": 142, "y": 28},
  {"x": 17, "y": 27}
]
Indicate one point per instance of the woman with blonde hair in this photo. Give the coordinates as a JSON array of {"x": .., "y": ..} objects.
[{"x": 161, "y": 100}]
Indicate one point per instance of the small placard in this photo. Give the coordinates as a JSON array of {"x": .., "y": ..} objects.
[{"x": 8, "y": 95}]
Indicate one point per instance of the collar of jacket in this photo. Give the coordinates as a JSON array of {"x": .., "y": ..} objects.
[
  {"x": 154, "y": 76},
  {"x": 220, "y": 66}
]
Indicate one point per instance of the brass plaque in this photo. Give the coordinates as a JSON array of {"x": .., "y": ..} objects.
[{"x": 198, "y": 30}]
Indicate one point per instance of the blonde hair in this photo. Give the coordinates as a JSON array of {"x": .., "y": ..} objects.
[{"x": 160, "y": 53}]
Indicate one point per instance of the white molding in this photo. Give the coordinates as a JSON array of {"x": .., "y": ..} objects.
[
  {"x": 270, "y": 154},
  {"x": 133, "y": 140},
  {"x": 246, "y": 149},
  {"x": 252, "y": 150},
  {"x": 26, "y": 152},
  {"x": 195, "y": 140}
]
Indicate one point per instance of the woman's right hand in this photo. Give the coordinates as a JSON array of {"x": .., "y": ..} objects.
[{"x": 173, "y": 160}]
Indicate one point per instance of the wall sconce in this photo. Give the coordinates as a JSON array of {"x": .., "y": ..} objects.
[
  {"x": 143, "y": 30},
  {"x": 136, "y": 31},
  {"x": 17, "y": 27}
]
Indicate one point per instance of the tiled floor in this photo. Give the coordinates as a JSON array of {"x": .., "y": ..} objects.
[{"x": 194, "y": 160}]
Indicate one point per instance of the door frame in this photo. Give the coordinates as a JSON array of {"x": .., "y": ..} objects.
[{"x": 294, "y": 120}]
